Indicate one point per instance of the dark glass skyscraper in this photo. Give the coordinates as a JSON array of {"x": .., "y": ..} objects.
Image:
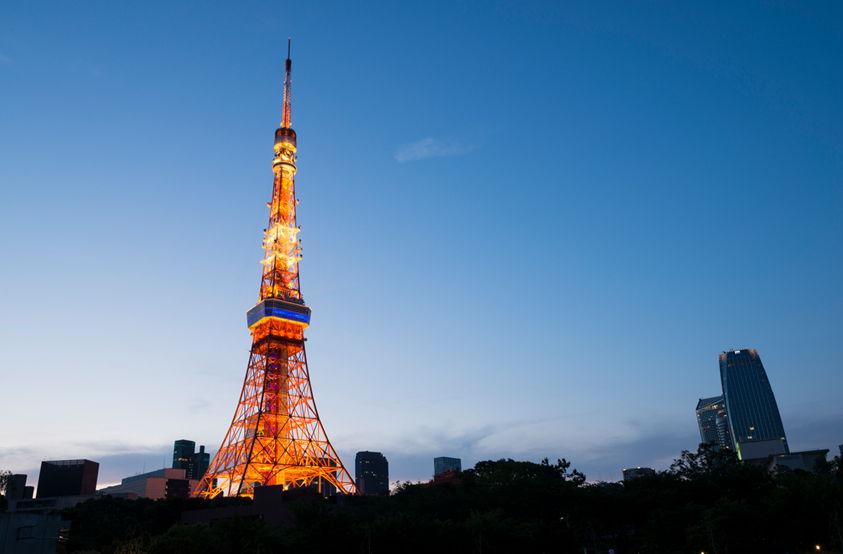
[
  {"x": 753, "y": 414},
  {"x": 371, "y": 472},
  {"x": 195, "y": 464},
  {"x": 713, "y": 422},
  {"x": 443, "y": 464},
  {"x": 183, "y": 453}
]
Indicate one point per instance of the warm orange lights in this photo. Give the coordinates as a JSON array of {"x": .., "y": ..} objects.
[
  {"x": 282, "y": 250},
  {"x": 276, "y": 437}
]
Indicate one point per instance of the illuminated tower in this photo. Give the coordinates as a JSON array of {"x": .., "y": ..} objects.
[{"x": 276, "y": 437}]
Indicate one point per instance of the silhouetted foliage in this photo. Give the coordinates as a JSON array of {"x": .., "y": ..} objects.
[
  {"x": 707, "y": 501},
  {"x": 105, "y": 525},
  {"x": 5, "y": 484}
]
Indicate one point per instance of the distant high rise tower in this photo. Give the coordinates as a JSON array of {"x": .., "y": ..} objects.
[
  {"x": 713, "y": 422},
  {"x": 183, "y": 453},
  {"x": 276, "y": 437},
  {"x": 185, "y": 457},
  {"x": 753, "y": 416},
  {"x": 443, "y": 464},
  {"x": 202, "y": 461},
  {"x": 371, "y": 471}
]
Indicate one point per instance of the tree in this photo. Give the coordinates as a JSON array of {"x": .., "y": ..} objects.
[
  {"x": 5, "y": 484},
  {"x": 707, "y": 461}
]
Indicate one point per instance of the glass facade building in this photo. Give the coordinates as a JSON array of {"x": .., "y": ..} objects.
[
  {"x": 443, "y": 464},
  {"x": 371, "y": 472},
  {"x": 713, "y": 422},
  {"x": 194, "y": 463},
  {"x": 182, "y": 453},
  {"x": 753, "y": 414}
]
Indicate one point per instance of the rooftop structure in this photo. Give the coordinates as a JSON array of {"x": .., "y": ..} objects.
[
  {"x": 67, "y": 478},
  {"x": 804, "y": 460}
]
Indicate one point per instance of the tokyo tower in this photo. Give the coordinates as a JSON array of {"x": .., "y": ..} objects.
[{"x": 276, "y": 437}]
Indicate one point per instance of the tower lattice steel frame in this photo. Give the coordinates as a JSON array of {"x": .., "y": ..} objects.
[{"x": 276, "y": 437}]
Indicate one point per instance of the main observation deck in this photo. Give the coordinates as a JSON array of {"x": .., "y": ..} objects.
[{"x": 293, "y": 311}]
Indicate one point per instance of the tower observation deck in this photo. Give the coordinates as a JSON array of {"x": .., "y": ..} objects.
[{"x": 276, "y": 436}]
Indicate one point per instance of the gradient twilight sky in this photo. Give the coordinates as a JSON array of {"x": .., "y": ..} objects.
[{"x": 529, "y": 229}]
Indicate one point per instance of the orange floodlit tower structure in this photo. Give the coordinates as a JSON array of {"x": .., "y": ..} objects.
[{"x": 276, "y": 437}]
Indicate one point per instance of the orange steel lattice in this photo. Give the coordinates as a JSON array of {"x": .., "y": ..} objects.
[{"x": 276, "y": 437}]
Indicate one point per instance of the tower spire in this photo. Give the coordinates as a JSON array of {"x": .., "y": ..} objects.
[{"x": 286, "y": 122}]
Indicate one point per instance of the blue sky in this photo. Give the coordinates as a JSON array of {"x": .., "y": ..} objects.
[{"x": 528, "y": 230}]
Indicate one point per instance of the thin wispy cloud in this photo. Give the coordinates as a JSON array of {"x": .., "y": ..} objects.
[{"x": 430, "y": 148}]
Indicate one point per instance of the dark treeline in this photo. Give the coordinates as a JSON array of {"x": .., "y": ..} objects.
[{"x": 707, "y": 502}]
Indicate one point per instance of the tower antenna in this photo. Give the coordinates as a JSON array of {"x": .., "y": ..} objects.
[{"x": 287, "y": 83}]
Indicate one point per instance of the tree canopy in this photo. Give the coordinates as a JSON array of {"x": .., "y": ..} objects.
[{"x": 707, "y": 501}]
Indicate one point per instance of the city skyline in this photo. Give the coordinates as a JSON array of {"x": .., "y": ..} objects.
[{"x": 670, "y": 191}]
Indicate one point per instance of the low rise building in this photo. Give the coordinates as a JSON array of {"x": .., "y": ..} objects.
[
  {"x": 31, "y": 533},
  {"x": 635, "y": 472},
  {"x": 451, "y": 476},
  {"x": 805, "y": 460},
  {"x": 162, "y": 483},
  {"x": 42, "y": 505}
]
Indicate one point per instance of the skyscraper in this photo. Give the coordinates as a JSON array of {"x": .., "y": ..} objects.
[
  {"x": 753, "y": 416},
  {"x": 371, "y": 472},
  {"x": 202, "y": 461},
  {"x": 183, "y": 453},
  {"x": 706, "y": 418},
  {"x": 713, "y": 422},
  {"x": 443, "y": 464},
  {"x": 185, "y": 457}
]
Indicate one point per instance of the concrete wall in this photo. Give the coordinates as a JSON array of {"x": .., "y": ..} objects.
[{"x": 30, "y": 533}]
